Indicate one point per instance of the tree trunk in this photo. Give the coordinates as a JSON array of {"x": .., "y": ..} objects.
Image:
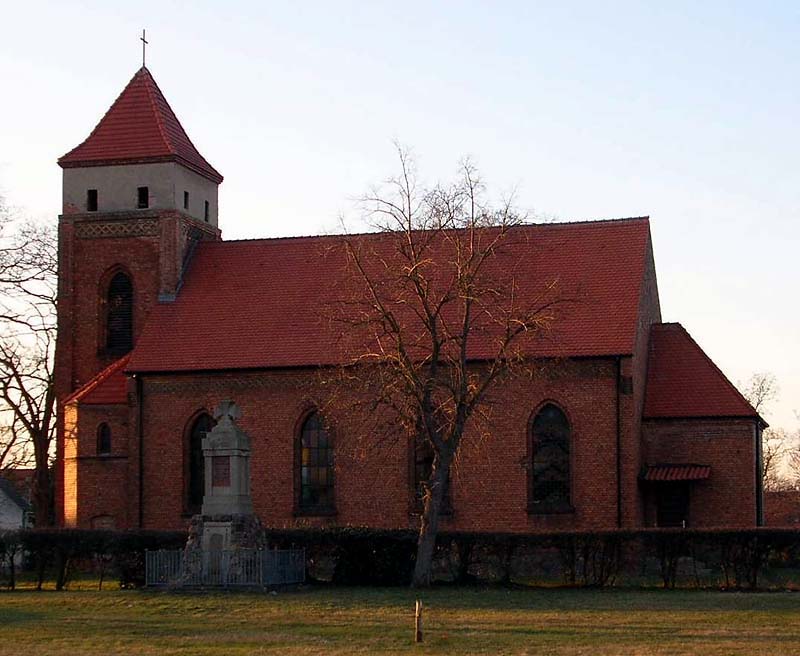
[
  {"x": 42, "y": 490},
  {"x": 429, "y": 522}
]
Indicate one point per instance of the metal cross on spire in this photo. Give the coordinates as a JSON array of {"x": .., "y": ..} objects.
[{"x": 144, "y": 45}]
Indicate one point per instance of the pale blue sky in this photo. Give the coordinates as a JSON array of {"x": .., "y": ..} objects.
[{"x": 687, "y": 112}]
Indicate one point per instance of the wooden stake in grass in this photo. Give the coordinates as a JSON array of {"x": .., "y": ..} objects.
[{"x": 418, "y": 621}]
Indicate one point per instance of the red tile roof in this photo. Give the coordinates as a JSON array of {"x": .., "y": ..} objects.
[
  {"x": 140, "y": 127},
  {"x": 677, "y": 472},
  {"x": 682, "y": 381},
  {"x": 267, "y": 303},
  {"x": 109, "y": 387}
]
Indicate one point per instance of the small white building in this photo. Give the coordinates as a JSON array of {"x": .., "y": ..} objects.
[{"x": 13, "y": 507}]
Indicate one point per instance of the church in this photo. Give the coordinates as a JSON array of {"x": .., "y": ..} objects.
[{"x": 159, "y": 320}]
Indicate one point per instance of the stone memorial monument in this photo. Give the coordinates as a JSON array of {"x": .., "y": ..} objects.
[{"x": 226, "y": 521}]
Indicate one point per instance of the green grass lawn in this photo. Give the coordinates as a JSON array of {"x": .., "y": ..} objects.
[{"x": 370, "y": 621}]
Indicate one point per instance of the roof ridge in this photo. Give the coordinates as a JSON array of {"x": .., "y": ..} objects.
[
  {"x": 159, "y": 122},
  {"x": 559, "y": 224}
]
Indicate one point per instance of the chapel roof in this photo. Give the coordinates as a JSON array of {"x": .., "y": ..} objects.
[
  {"x": 682, "y": 381},
  {"x": 139, "y": 127},
  {"x": 109, "y": 387},
  {"x": 267, "y": 303}
]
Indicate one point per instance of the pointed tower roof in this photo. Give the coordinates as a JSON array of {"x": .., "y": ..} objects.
[{"x": 140, "y": 127}]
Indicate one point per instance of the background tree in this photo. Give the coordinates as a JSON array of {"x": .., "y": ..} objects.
[
  {"x": 794, "y": 457},
  {"x": 28, "y": 280},
  {"x": 423, "y": 294},
  {"x": 761, "y": 390}
]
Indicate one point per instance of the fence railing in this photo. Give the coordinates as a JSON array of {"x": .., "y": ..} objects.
[{"x": 240, "y": 567}]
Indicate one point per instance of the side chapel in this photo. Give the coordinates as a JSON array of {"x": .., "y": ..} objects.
[{"x": 159, "y": 319}]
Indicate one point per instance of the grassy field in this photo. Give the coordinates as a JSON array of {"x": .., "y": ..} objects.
[{"x": 379, "y": 621}]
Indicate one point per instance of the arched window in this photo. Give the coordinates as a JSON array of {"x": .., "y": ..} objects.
[
  {"x": 550, "y": 475},
  {"x": 119, "y": 315},
  {"x": 315, "y": 467},
  {"x": 195, "y": 463},
  {"x": 103, "y": 439}
]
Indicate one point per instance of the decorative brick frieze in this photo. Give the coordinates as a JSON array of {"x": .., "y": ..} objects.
[{"x": 98, "y": 230}]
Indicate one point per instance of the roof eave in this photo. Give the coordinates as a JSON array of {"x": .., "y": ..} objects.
[{"x": 212, "y": 174}]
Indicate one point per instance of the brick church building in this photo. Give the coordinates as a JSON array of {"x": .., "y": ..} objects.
[{"x": 630, "y": 425}]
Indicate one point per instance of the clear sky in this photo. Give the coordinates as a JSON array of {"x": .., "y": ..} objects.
[{"x": 687, "y": 112}]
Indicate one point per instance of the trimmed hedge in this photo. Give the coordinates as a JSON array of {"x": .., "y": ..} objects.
[
  {"x": 59, "y": 550},
  {"x": 363, "y": 556},
  {"x": 584, "y": 558}
]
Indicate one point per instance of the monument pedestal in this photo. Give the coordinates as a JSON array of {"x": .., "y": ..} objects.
[{"x": 227, "y": 521}]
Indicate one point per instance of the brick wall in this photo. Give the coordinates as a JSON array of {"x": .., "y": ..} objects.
[
  {"x": 632, "y": 406},
  {"x": 489, "y": 485},
  {"x": 782, "y": 508},
  {"x": 97, "y": 485},
  {"x": 728, "y": 496}
]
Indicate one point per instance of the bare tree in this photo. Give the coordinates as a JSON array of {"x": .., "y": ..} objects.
[
  {"x": 442, "y": 320},
  {"x": 761, "y": 391},
  {"x": 28, "y": 274}
]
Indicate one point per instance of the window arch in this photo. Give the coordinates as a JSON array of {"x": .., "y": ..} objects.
[
  {"x": 103, "y": 439},
  {"x": 314, "y": 470},
  {"x": 195, "y": 463},
  {"x": 550, "y": 466},
  {"x": 119, "y": 314}
]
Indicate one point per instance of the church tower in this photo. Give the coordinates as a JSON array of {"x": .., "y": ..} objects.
[{"x": 137, "y": 197}]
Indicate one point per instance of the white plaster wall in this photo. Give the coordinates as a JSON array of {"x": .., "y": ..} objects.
[
  {"x": 200, "y": 190},
  {"x": 117, "y": 188}
]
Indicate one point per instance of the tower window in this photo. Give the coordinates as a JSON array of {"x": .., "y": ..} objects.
[
  {"x": 91, "y": 200},
  {"x": 186, "y": 200},
  {"x": 119, "y": 315},
  {"x": 143, "y": 197},
  {"x": 205, "y": 212}
]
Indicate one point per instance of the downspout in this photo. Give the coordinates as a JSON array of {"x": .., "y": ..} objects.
[
  {"x": 757, "y": 429},
  {"x": 619, "y": 445},
  {"x": 140, "y": 431}
]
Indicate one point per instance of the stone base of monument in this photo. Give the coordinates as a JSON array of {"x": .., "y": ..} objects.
[
  {"x": 221, "y": 548},
  {"x": 225, "y": 533}
]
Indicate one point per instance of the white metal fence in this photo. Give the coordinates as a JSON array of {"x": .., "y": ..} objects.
[{"x": 241, "y": 567}]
